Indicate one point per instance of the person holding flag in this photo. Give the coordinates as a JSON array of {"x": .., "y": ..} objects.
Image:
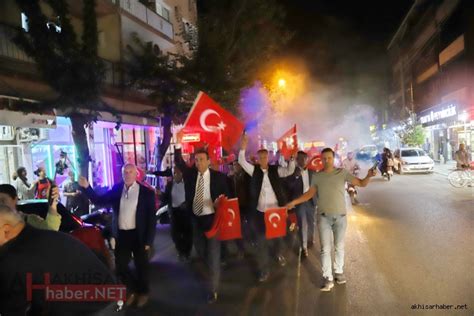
[
  {"x": 266, "y": 192},
  {"x": 329, "y": 184},
  {"x": 203, "y": 186}
]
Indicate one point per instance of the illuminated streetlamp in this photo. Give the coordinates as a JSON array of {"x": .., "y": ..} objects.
[{"x": 282, "y": 83}]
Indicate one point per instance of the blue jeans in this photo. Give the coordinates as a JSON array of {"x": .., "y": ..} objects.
[
  {"x": 305, "y": 213},
  {"x": 210, "y": 251},
  {"x": 332, "y": 226}
]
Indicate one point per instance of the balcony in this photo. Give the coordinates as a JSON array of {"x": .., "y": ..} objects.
[
  {"x": 147, "y": 16},
  {"x": 8, "y": 49}
]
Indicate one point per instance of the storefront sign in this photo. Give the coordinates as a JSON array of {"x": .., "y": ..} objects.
[
  {"x": 435, "y": 115},
  {"x": 191, "y": 138},
  {"x": 35, "y": 120}
]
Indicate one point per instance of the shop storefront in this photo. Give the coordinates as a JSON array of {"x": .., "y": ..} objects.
[
  {"x": 447, "y": 125},
  {"x": 44, "y": 146}
]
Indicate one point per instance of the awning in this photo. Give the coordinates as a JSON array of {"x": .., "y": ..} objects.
[{"x": 31, "y": 120}]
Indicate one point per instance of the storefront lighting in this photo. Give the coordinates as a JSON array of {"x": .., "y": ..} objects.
[{"x": 463, "y": 117}]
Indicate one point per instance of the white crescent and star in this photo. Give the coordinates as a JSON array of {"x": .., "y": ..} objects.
[
  {"x": 202, "y": 120},
  {"x": 272, "y": 216}
]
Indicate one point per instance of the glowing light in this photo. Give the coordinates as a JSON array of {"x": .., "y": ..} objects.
[{"x": 282, "y": 83}]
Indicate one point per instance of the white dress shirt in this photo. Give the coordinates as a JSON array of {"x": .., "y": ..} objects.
[
  {"x": 177, "y": 194},
  {"x": 305, "y": 176},
  {"x": 267, "y": 198},
  {"x": 128, "y": 207},
  {"x": 208, "y": 207}
]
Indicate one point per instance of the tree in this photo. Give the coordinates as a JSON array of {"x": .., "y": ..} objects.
[
  {"x": 234, "y": 40},
  {"x": 70, "y": 66},
  {"x": 413, "y": 135}
]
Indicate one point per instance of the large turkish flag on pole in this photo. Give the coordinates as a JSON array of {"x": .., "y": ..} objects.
[
  {"x": 275, "y": 222},
  {"x": 211, "y": 119},
  {"x": 288, "y": 143}
]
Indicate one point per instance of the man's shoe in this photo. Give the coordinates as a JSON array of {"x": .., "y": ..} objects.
[
  {"x": 212, "y": 298},
  {"x": 281, "y": 261},
  {"x": 142, "y": 300},
  {"x": 340, "y": 278},
  {"x": 304, "y": 253},
  {"x": 263, "y": 277},
  {"x": 327, "y": 285},
  {"x": 131, "y": 299}
]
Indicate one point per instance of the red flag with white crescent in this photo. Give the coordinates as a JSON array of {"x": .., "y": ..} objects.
[
  {"x": 275, "y": 222},
  {"x": 288, "y": 143},
  {"x": 211, "y": 120},
  {"x": 227, "y": 225},
  {"x": 315, "y": 164}
]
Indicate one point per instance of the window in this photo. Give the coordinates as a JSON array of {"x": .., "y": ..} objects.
[
  {"x": 410, "y": 153},
  {"x": 165, "y": 13},
  {"x": 24, "y": 22}
]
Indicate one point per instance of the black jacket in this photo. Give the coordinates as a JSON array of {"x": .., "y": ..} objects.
[
  {"x": 66, "y": 259},
  {"x": 146, "y": 212},
  {"x": 190, "y": 174},
  {"x": 294, "y": 185},
  {"x": 276, "y": 182}
]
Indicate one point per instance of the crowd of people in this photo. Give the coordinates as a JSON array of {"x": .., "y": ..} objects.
[{"x": 191, "y": 197}]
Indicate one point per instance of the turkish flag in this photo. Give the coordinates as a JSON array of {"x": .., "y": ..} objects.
[
  {"x": 275, "y": 222},
  {"x": 315, "y": 164},
  {"x": 213, "y": 122},
  {"x": 227, "y": 225},
  {"x": 288, "y": 143}
]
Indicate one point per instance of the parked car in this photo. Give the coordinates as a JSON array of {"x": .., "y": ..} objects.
[
  {"x": 367, "y": 152},
  {"x": 412, "y": 160}
]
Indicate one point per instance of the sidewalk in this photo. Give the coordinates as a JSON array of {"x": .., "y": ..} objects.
[{"x": 445, "y": 168}]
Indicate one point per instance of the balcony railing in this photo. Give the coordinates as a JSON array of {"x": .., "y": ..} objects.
[
  {"x": 8, "y": 48},
  {"x": 148, "y": 16}
]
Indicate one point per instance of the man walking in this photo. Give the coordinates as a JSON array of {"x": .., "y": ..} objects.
[
  {"x": 299, "y": 183},
  {"x": 203, "y": 186},
  {"x": 133, "y": 229},
  {"x": 329, "y": 184},
  {"x": 266, "y": 192},
  {"x": 181, "y": 227}
]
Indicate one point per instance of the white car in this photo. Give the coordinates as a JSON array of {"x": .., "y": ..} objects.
[{"x": 413, "y": 160}]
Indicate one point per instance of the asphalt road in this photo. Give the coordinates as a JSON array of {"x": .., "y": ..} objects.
[{"x": 409, "y": 242}]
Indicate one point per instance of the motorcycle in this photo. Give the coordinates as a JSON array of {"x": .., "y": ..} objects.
[{"x": 351, "y": 189}]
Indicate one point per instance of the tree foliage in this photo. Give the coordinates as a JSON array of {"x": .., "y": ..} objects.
[
  {"x": 234, "y": 40},
  {"x": 413, "y": 135},
  {"x": 69, "y": 65}
]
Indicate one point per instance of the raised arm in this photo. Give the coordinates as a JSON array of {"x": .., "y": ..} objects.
[
  {"x": 248, "y": 167},
  {"x": 99, "y": 200},
  {"x": 284, "y": 172},
  {"x": 363, "y": 182}
]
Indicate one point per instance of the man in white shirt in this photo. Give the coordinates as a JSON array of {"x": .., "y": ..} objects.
[
  {"x": 266, "y": 192},
  {"x": 133, "y": 229},
  {"x": 203, "y": 186}
]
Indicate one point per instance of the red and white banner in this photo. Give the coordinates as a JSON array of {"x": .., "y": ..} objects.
[
  {"x": 275, "y": 222},
  {"x": 213, "y": 122},
  {"x": 288, "y": 143},
  {"x": 227, "y": 225}
]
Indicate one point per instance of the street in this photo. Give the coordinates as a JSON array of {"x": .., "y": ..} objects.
[{"x": 410, "y": 241}]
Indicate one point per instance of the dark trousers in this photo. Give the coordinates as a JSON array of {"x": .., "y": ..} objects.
[
  {"x": 210, "y": 251},
  {"x": 266, "y": 248},
  {"x": 128, "y": 244},
  {"x": 181, "y": 231}
]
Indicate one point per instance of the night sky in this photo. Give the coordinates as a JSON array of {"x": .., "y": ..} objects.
[{"x": 344, "y": 42}]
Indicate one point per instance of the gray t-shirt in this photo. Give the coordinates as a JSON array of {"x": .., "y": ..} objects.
[{"x": 331, "y": 189}]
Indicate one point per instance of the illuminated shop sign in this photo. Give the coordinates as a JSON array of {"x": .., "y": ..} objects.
[{"x": 431, "y": 116}]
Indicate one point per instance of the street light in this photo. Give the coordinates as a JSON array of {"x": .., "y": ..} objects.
[{"x": 282, "y": 83}]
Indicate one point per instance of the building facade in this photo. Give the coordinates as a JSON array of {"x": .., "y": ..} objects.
[
  {"x": 432, "y": 62},
  {"x": 33, "y": 140}
]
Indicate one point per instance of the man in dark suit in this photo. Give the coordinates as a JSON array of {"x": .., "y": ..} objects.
[
  {"x": 298, "y": 183},
  {"x": 133, "y": 229},
  {"x": 180, "y": 215},
  {"x": 203, "y": 186}
]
